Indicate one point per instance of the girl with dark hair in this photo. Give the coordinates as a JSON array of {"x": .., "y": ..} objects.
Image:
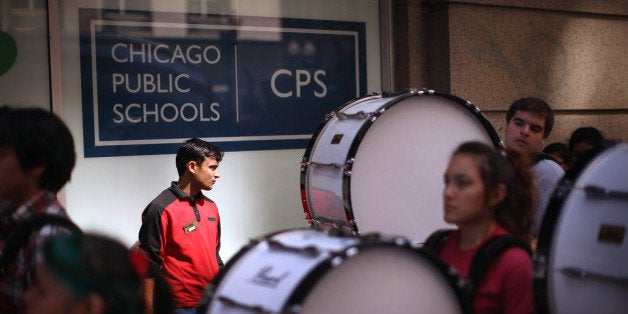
[
  {"x": 488, "y": 194},
  {"x": 87, "y": 274}
]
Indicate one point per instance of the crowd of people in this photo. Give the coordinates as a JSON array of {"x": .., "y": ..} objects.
[
  {"x": 488, "y": 194},
  {"x": 50, "y": 266},
  {"x": 583, "y": 141}
]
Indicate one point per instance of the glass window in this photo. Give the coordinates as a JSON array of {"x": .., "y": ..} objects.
[{"x": 24, "y": 70}]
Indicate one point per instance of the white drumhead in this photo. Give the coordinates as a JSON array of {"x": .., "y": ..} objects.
[
  {"x": 397, "y": 177},
  {"x": 265, "y": 275},
  {"x": 308, "y": 271},
  {"x": 382, "y": 280},
  {"x": 590, "y": 236}
]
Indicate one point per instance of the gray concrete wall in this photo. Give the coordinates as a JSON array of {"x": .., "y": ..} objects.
[{"x": 573, "y": 54}]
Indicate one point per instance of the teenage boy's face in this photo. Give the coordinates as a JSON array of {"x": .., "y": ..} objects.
[
  {"x": 525, "y": 132},
  {"x": 206, "y": 173}
]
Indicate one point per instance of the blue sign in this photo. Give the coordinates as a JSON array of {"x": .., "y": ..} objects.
[{"x": 150, "y": 80}]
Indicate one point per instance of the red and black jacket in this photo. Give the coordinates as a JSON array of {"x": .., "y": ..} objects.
[{"x": 181, "y": 235}]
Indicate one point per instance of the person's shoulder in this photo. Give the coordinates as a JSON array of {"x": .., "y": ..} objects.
[
  {"x": 513, "y": 249},
  {"x": 548, "y": 167},
  {"x": 514, "y": 258},
  {"x": 515, "y": 266},
  {"x": 162, "y": 200},
  {"x": 56, "y": 224},
  {"x": 55, "y": 210},
  {"x": 207, "y": 199}
]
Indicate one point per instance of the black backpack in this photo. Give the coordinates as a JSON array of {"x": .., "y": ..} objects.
[
  {"x": 489, "y": 250},
  {"x": 19, "y": 236}
]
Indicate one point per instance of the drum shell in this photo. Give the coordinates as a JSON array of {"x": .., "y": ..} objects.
[
  {"x": 311, "y": 280},
  {"x": 582, "y": 253},
  {"x": 404, "y": 195}
]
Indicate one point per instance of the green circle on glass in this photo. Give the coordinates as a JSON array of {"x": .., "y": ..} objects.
[{"x": 8, "y": 52}]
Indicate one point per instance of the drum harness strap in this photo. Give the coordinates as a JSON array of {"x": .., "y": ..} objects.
[
  {"x": 489, "y": 250},
  {"x": 20, "y": 235}
]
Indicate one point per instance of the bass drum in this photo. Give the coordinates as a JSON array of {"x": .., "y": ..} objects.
[
  {"x": 377, "y": 164},
  {"x": 582, "y": 252},
  {"x": 313, "y": 271}
]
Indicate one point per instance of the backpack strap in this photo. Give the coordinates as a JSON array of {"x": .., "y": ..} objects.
[
  {"x": 489, "y": 250},
  {"x": 481, "y": 260},
  {"x": 20, "y": 235},
  {"x": 434, "y": 241}
]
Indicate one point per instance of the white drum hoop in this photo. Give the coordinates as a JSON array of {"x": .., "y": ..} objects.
[
  {"x": 582, "y": 253},
  {"x": 344, "y": 210},
  {"x": 235, "y": 290}
]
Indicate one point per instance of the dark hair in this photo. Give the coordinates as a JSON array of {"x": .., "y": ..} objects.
[
  {"x": 587, "y": 134},
  {"x": 559, "y": 148},
  {"x": 39, "y": 138},
  {"x": 534, "y": 105},
  {"x": 516, "y": 211},
  {"x": 196, "y": 150},
  {"x": 90, "y": 263}
]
